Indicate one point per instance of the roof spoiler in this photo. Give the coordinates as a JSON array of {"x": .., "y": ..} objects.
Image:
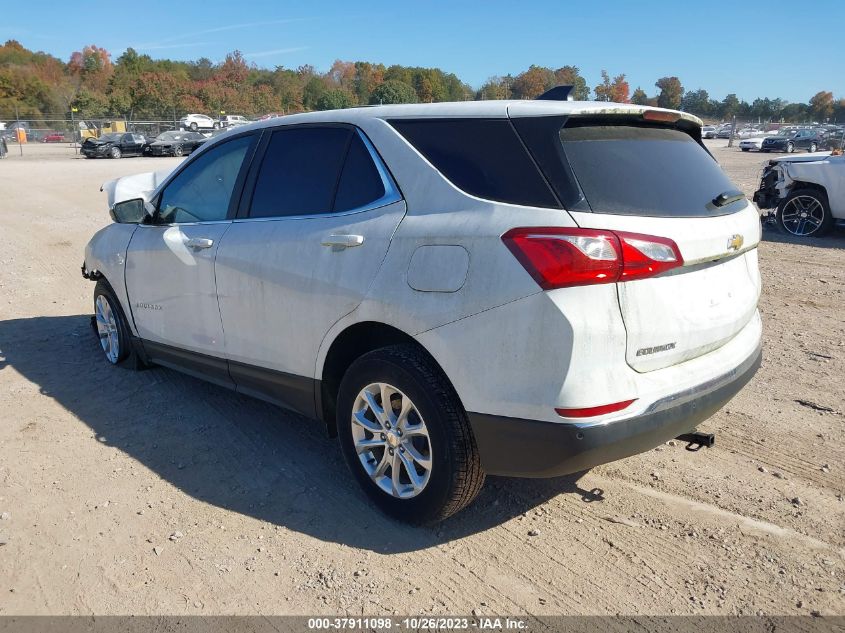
[{"x": 558, "y": 93}]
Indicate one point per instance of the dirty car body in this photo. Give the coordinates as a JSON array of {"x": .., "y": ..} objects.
[{"x": 465, "y": 263}]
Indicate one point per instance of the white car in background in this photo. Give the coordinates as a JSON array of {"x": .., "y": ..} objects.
[
  {"x": 455, "y": 289},
  {"x": 708, "y": 131},
  {"x": 195, "y": 122},
  {"x": 233, "y": 120},
  {"x": 752, "y": 143}
]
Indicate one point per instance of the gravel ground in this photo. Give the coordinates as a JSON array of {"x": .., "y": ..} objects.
[{"x": 154, "y": 493}]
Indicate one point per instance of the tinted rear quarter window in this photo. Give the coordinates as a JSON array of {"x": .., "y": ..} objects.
[
  {"x": 631, "y": 170},
  {"x": 483, "y": 157}
]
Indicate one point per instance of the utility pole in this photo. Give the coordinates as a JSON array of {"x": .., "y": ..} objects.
[
  {"x": 733, "y": 131},
  {"x": 73, "y": 130},
  {"x": 17, "y": 129}
]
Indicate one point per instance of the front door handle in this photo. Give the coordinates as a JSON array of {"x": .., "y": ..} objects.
[
  {"x": 199, "y": 242},
  {"x": 343, "y": 241}
]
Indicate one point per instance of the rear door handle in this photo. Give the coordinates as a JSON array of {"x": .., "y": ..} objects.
[
  {"x": 199, "y": 242},
  {"x": 343, "y": 241}
]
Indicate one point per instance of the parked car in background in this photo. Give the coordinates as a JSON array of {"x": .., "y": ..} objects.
[
  {"x": 753, "y": 143},
  {"x": 53, "y": 137},
  {"x": 175, "y": 143},
  {"x": 372, "y": 267},
  {"x": 807, "y": 139},
  {"x": 114, "y": 145},
  {"x": 708, "y": 131},
  {"x": 807, "y": 193},
  {"x": 232, "y": 120},
  {"x": 724, "y": 131},
  {"x": 196, "y": 122}
]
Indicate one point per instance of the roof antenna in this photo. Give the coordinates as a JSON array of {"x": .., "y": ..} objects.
[{"x": 558, "y": 93}]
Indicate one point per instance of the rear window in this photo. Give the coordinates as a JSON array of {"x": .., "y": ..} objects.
[
  {"x": 648, "y": 171},
  {"x": 483, "y": 157}
]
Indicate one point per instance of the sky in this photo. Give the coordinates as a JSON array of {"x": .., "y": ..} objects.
[{"x": 753, "y": 48}]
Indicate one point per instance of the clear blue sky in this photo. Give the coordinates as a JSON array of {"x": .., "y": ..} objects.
[{"x": 722, "y": 46}]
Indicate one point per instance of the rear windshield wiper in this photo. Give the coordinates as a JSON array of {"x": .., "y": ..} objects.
[{"x": 725, "y": 198}]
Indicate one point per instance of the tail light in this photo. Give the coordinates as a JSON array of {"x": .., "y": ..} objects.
[{"x": 559, "y": 257}]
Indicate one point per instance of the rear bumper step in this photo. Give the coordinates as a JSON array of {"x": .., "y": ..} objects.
[{"x": 530, "y": 448}]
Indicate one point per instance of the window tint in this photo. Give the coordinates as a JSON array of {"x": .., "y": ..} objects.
[
  {"x": 360, "y": 183},
  {"x": 300, "y": 171},
  {"x": 202, "y": 191},
  {"x": 483, "y": 157},
  {"x": 646, "y": 171}
]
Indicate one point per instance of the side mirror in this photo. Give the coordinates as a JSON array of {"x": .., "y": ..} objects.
[{"x": 129, "y": 211}]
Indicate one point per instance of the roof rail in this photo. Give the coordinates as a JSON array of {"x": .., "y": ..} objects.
[{"x": 558, "y": 93}]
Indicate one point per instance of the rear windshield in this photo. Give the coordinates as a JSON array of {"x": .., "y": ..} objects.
[{"x": 648, "y": 171}]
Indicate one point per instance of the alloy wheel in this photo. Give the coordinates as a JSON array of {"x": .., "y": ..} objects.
[
  {"x": 107, "y": 329},
  {"x": 391, "y": 440},
  {"x": 802, "y": 215}
]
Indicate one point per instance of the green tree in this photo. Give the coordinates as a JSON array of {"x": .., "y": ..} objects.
[
  {"x": 335, "y": 99},
  {"x": 393, "y": 91},
  {"x": 697, "y": 102},
  {"x": 671, "y": 92},
  {"x": 639, "y": 97},
  {"x": 729, "y": 106}
]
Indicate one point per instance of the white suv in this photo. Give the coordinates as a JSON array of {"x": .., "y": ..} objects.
[
  {"x": 196, "y": 122},
  {"x": 458, "y": 289}
]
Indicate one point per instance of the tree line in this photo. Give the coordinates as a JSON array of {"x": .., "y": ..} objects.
[{"x": 135, "y": 86}]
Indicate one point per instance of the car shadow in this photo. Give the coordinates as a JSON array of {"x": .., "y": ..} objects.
[
  {"x": 235, "y": 452},
  {"x": 834, "y": 239}
]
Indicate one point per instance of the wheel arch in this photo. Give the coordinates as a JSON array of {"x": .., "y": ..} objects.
[
  {"x": 351, "y": 343},
  {"x": 803, "y": 184}
]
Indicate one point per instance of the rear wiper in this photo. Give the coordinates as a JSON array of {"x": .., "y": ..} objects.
[{"x": 727, "y": 197}]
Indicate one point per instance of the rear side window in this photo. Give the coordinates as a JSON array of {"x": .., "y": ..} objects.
[
  {"x": 483, "y": 157},
  {"x": 647, "y": 171},
  {"x": 360, "y": 182},
  {"x": 300, "y": 171}
]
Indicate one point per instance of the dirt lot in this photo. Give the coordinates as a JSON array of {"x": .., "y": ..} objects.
[{"x": 151, "y": 492}]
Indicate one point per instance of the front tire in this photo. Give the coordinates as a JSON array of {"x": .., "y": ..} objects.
[
  {"x": 790, "y": 147},
  {"x": 813, "y": 147},
  {"x": 193, "y": 126},
  {"x": 178, "y": 151},
  {"x": 805, "y": 213},
  {"x": 115, "y": 152},
  {"x": 405, "y": 436},
  {"x": 110, "y": 324}
]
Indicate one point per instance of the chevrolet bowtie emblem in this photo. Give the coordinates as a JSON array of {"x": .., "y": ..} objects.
[{"x": 735, "y": 242}]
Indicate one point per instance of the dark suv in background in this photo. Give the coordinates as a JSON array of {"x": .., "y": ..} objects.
[{"x": 810, "y": 140}]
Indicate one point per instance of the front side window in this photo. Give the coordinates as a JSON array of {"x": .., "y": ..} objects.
[
  {"x": 202, "y": 192},
  {"x": 300, "y": 171}
]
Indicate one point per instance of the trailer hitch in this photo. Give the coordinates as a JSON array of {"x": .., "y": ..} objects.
[{"x": 696, "y": 440}]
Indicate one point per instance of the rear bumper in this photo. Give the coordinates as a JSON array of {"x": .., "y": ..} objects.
[{"x": 531, "y": 448}]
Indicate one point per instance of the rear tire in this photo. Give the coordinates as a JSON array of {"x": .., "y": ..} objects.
[
  {"x": 424, "y": 427},
  {"x": 805, "y": 213}
]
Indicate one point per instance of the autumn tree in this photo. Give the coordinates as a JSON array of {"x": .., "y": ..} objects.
[
  {"x": 495, "y": 88},
  {"x": 533, "y": 82},
  {"x": 821, "y": 105},
  {"x": 671, "y": 92},
  {"x": 615, "y": 91},
  {"x": 571, "y": 76},
  {"x": 93, "y": 65}
]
